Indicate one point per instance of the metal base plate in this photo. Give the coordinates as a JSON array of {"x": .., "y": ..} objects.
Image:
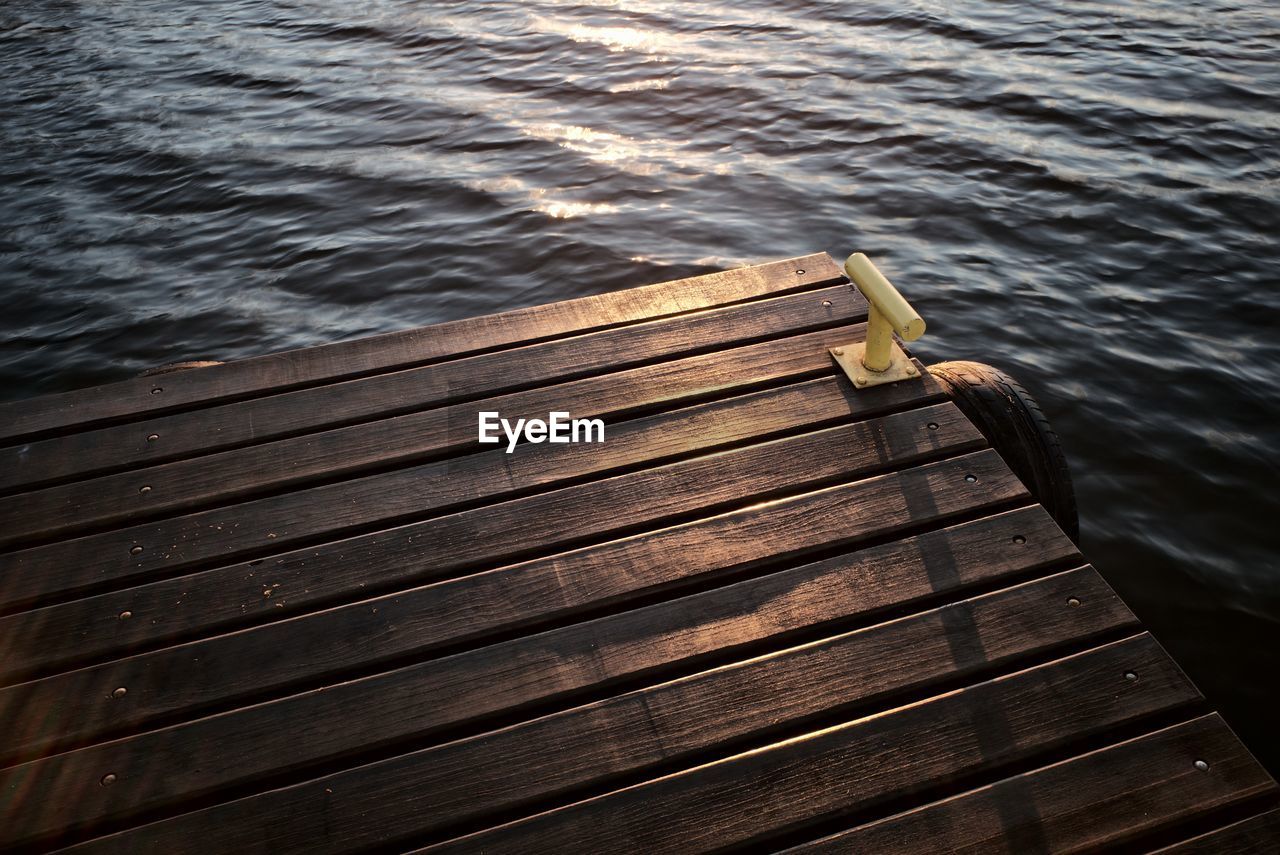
[{"x": 849, "y": 358}]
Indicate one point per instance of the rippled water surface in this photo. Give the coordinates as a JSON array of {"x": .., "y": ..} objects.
[{"x": 1083, "y": 193}]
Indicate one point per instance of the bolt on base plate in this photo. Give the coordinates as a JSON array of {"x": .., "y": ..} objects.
[{"x": 849, "y": 358}]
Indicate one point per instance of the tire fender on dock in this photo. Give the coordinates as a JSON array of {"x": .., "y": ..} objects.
[{"x": 1017, "y": 429}]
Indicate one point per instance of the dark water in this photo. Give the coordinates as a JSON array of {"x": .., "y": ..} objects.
[{"x": 1084, "y": 193}]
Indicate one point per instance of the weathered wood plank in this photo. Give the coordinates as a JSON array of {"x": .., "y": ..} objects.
[
  {"x": 420, "y": 490},
  {"x": 461, "y": 782},
  {"x": 466, "y": 609},
  {"x": 276, "y": 372},
  {"x": 84, "y": 629},
  {"x": 1257, "y": 835},
  {"x": 344, "y": 452},
  {"x": 451, "y": 614},
  {"x": 1109, "y": 797},
  {"x": 761, "y": 794},
  {"x": 403, "y": 707},
  {"x": 524, "y": 525},
  {"x": 166, "y": 694},
  {"x": 272, "y": 523},
  {"x": 323, "y": 408}
]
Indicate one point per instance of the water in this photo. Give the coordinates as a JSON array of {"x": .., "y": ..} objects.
[{"x": 1085, "y": 194}]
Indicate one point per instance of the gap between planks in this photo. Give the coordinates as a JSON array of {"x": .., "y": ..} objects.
[
  {"x": 118, "y": 559},
  {"x": 877, "y": 506},
  {"x": 760, "y": 795},
  {"x": 878, "y": 659},
  {"x": 1121, "y": 794},
  {"x": 356, "y": 407},
  {"x": 135, "y": 398},
  {"x": 650, "y": 732},
  {"x": 679, "y": 429}
]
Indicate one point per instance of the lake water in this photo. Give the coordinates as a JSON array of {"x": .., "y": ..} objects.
[{"x": 1086, "y": 194}]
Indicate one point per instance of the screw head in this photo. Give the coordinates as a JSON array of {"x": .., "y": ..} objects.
[
  {"x": 126, "y": 615},
  {"x": 120, "y": 692},
  {"x": 911, "y": 370},
  {"x": 800, "y": 272},
  {"x": 971, "y": 478},
  {"x": 862, "y": 381},
  {"x": 1073, "y": 602},
  {"x": 145, "y": 488},
  {"x": 108, "y": 779},
  {"x": 157, "y": 390},
  {"x": 1202, "y": 766},
  {"x": 153, "y": 437},
  {"x": 135, "y": 550},
  {"x": 1019, "y": 539},
  {"x": 1130, "y": 676},
  {"x": 826, "y": 302},
  {"x": 838, "y": 351}
]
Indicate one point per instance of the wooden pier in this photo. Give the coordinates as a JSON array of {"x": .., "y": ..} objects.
[{"x": 292, "y": 604}]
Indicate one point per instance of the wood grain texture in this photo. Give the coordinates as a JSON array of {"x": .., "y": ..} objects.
[
  {"x": 165, "y": 691},
  {"x": 260, "y": 420},
  {"x": 408, "y": 705},
  {"x": 524, "y": 525},
  {"x": 1258, "y": 835},
  {"x": 468, "y": 608},
  {"x": 417, "y": 437},
  {"x": 270, "y": 374},
  {"x": 83, "y": 629},
  {"x": 1109, "y": 797},
  {"x": 338, "y": 510},
  {"x": 760, "y": 794},
  {"x": 406, "y": 797}
]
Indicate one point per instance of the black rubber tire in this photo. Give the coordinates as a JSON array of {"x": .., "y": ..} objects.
[
  {"x": 176, "y": 366},
  {"x": 1017, "y": 429}
]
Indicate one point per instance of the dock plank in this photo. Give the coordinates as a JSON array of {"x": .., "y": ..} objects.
[
  {"x": 1253, "y": 836},
  {"x": 556, "y": 756},
  {"x": 55, "y": 634},
  {"x": 96, "y": 561},
  {"x": 451, "y": 430},
  {"x": 1106, "y": 798},
  {"x": 362, "y": 715},
  {"x": 762, "y": 794},
  {"x": 281, "y": 371},
  {"x": 473, "y": 606},
  {"x": 169, "y": 693},
  {"x": 382, "y": 396},
  {"x": 400, "y": 496}
]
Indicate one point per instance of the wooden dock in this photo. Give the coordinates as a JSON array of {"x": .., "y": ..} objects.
[{"x": 292, "y": 604}]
